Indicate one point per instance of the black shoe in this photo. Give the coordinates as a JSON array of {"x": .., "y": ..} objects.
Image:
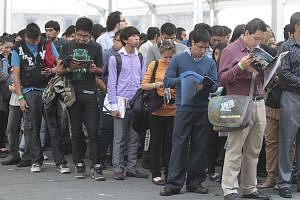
[
  {"x": 165, "y": 191},
  {"x": 80, "y": 170},
  {"x": 257, "y": 195},
  {"x": 285, "y": 192},
  {"x": 11, "y": 161},
  {"x": 232, "y": 196},
  {"x": 24, "y": 163},
  {"x": 136, "y": 174},
  {"x": 200, "y": 190},
  {"x": 96, "y": 173}
]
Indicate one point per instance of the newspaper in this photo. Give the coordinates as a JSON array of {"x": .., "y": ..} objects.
[
  {"x": 272, "y": 68},
  {"x": 121, "y": 106}
]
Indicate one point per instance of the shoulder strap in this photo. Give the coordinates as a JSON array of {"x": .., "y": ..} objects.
[
  {"x": 140, "y": 55},
  {"x": 119, "y": 64},
  {"x": 152, "y": 80},
  {"x": 252, "y": 85}
]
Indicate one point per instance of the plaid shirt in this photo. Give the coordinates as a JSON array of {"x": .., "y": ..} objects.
[{"x": 289, "y": 74}]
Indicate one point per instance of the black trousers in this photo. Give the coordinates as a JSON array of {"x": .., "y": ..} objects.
[
  {"x": 161, "y": 129},
  {"x": 3, "y": 124},
  {"x": 188, "y": 159},
  {"x": 85, "y": 110}
]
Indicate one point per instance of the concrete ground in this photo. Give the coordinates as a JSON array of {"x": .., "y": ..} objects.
[{"x": 21, "y": 184}]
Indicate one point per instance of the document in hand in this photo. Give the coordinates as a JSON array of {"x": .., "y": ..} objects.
[
  {"x": 271, "y": 70},
  {"x": 189, "y": 81},
  {"x": 121, "y": 106},
  {"x": 261, "y": 59}
]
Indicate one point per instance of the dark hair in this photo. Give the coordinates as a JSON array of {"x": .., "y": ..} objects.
[
  {"x": 168, "y": 29},
  {"x": 295, "y": 19},
  {"x": 189, "y": 43},
  {"x": 143, "y": 36},
  {"x": 53, "y": 24},
  {"x": 1, "y": 40},
  {"x": 200, "y": 36},
  {"x": 152, "y": 32},
  {"x": 226, "y": 30},
  {"x": 203, "y": 26},
  {"x": 220, "y": 46},
  {"x": 112, "y": 20},
  {"x": 255, "y": 25},
  {"x": 84, "y": 24},
  {"x": 179, "y": 31},
  {"x": 70, "y": 30},
  {"x": 286, "y": 30},
  {"x": 117, "y": 34},
  {"x": 237, "y": 32},
  {"x": 97, "y": 30},
  {"x": 217, "y": 31},
  {"x": 128, "y": 32},
  {"x": 21, "y": 33},
  {"x": 167, "y": 46},
  {"x": 33, "y": 31}
]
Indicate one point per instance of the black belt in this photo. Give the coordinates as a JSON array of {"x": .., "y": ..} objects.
[{"x": 257, "y": 98}]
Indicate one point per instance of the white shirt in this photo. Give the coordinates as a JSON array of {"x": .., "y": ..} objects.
[{"x": 144, "y": 47}]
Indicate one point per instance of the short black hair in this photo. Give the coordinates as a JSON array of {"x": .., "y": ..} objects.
[
  {"x": 168, "y": 29},
  {"x": 255, "y": 25},
  {"x": 237, "y": 32},
  {"x": 217, "y": 31},
  {"x": 295, "y": 19},
  {"x": 53, "y": 24},
  {"x": 21, "y": 33},
  {"x": 84, "y": 24},
  {"x": 220, "y": 46},
  {"x": 112, "y": 20},
  {"x": 179, "y": 31},
  {"x": 203, "y": 26},
  {"x": 70, "y": 30},
  {"x": 152, "y": 32},
  {"x": 128, "y": 32},
  {"x": 97, "y": 30},
  {"x": 286, "y": 30},
  {"x": 33, "y": 31},
  {"x": 199, "y": 35},
  {"x": 226, "y": 30}
]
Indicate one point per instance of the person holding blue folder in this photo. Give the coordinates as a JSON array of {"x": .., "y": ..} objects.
[{"x": 191, "y": 126}]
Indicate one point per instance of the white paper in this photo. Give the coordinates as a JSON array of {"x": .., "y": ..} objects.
[
  {"x": 121, "y": 106},
  {"x": 269, "y": 73}
]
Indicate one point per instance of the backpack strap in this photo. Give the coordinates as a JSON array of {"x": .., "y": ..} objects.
[
  {"x": 119, "y": 64},
  {"x": 140, "y": 55},
  {"x": 152, "y": 80}
]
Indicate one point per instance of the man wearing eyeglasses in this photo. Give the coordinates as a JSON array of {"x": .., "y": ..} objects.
[
  {"x": 235, "y": 73},
  {"x": 167, "y": 32},
  {"x": 191, "y": 125}
]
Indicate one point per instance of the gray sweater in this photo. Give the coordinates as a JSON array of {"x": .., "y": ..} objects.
[{"x": 153, "y": 52}]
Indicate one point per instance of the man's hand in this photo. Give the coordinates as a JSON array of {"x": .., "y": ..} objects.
[
  {"x": 59, "y": 69},
  {"x": 23, "y": 105},
  {"x": 46, "y": 72},
  {"x": 159, "y": 84},
  {"x": 95, "y": 69},
  {"x": 246, "y": 63},
  {"x": 115, "y": 113}
]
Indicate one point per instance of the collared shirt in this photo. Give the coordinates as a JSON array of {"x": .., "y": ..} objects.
[
  {"x": 106, "y": 40},
  {"x": 144, "y": 48},
  {"x": 235, "y": 80},
  {"x": 289, "y": 74},
  {"x": 130, "y": 77}
]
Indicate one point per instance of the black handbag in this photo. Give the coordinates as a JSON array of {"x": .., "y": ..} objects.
[
  {"x": 231, "y": 112},
  {"x": 152, "y": 100}
]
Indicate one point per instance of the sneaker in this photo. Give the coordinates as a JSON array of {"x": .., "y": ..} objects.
[
  {"x": 215, "y": 177},
  {"x": 36, "y": 167},
  {"x": 80, "y": 170},
  {"x": 63, "y": 169},
  {"x": 96, "y": 173}
]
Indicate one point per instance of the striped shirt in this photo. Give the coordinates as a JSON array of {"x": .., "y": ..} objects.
[{"x": 289, "y": 74}]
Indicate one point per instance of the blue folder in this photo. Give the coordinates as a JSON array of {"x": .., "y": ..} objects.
[{"x": 189, "y": 79}]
